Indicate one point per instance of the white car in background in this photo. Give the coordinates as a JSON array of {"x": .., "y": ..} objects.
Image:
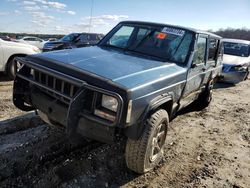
[
  {"x": 35, "y": 41},
  {"x": 10, "y": 50},
  {"x": 236, "y": 60}
]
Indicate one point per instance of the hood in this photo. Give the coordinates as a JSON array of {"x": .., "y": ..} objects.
[
  {"x": 54, "y": 43},
  {"x": 126, "y": 70},
  {"x": 235, "y": 60}
]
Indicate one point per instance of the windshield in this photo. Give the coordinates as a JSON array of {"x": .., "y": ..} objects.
[
  {"x": 70, "y": 37},
  {"x": 237, "y": 49},
  {"x": 167, "y": 43}
]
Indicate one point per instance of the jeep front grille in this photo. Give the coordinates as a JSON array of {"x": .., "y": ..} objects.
[{"x": 54, "y": 86}]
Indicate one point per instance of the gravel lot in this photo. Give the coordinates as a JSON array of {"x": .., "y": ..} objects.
[{"x": 208, "y": 148}]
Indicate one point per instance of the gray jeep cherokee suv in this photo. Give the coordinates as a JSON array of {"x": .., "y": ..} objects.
[{"x": 131, "y": 84}]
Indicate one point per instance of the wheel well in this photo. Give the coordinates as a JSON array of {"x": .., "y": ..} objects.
[
  {"x": 135, "y": 131},
  {"x": 11, "y": 57},
  {"x": 166, "y": 106}
]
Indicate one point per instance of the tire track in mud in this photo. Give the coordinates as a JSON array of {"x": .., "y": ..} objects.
[
  {"x": 30, "y": 150},
  {"x": 20, "y": 123}
]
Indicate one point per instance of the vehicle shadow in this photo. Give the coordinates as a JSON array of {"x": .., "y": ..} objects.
[
  {"x": 194, "y": 107},
  {"x": 4, "y": 78},
  {"x": 221, "y": 85}
]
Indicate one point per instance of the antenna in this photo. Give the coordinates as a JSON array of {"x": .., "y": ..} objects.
[{"x": 91, "y": 14}]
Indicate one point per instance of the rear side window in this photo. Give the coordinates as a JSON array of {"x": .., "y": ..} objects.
[
  {"x": 93, "y": 37},
  {"x": 37, "y": 39},
  {"x": 29, "y": 39},
  {"x": 212, "y": 50},
  {"x": 84, "y": 37}
]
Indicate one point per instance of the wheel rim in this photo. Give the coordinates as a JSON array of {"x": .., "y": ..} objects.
[
  {"x": 210, "y": 91},
  {"x": 15, "y": 67},
  {"x": 210, "y": 95},
  {"x": 158, "y": 142},
  {"x": 18, "y": 65}
]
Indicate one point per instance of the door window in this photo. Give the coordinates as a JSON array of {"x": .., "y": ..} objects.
[
  {"x": 93, "y": 37},
  {"x": 212, "y": 50},
  {"x": 83, "y": 38},
  {"x": 200, "y": 53},
  {"x": 38, "y": 40},
  {"x": 29, "y": 39}
]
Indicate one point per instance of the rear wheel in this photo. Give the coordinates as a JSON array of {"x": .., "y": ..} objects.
[
  {"x": 12, "y": 67},
  {"x": 144, "y": 154},
  {"x": 206, "y": 97}
]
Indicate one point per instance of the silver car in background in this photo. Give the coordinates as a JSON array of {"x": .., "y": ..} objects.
[{"x": 236, "y": 60}]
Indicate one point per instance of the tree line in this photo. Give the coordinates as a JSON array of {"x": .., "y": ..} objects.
[
  {"x": 42, "y": 36},
  {"x": 234, "y": 33}
]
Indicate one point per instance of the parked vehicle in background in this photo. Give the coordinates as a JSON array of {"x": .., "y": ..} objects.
[
  {"x": 63, "y": 43},
  {"x": 73, "y": 40},
  {"x": 236, "y": 60},
  {"x": 51, "y": 40},
  {"x": 35, "y": 41},
  {"x": 131, "y": 84},
  {"x": 9, "y": 51},
  {"x": 7, "y": 38}
]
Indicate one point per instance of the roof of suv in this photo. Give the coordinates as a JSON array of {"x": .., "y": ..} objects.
[{"x": 162, "y": 24}]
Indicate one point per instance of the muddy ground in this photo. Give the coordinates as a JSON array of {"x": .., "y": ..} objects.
[{"x": 208, "y": 148}]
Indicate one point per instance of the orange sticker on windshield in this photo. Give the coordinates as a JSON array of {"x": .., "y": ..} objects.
[{"x": 161, "y": 36}]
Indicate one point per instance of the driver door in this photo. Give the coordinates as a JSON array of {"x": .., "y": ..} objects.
[{"x": 196, "y": 72}]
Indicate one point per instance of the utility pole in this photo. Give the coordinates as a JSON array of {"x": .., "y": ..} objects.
[{"x": 91, "y": 14}]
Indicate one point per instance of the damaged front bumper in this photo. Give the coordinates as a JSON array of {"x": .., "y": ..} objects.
[
  {"x": 231, "y": 75},
  {"x": 65, "y": 101},
  {"x": 234, "y": 77}
]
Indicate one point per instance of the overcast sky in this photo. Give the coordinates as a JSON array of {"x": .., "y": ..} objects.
[{"x": 65, "y": 16}]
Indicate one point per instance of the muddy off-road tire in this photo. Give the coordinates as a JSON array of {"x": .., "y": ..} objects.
[
  {"x": 12, "y": 67},
  {"x": 144, "y": 154},
  {"x": 206, "y": 97}
]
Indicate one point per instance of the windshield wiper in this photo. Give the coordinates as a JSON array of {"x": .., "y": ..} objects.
[
  {"x": 112, "y": 46},
  {"x": 150, "y": 56}
]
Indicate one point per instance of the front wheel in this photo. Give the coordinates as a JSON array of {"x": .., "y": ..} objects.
[
  {"x": 144, "y": 154},
  {"x": 12, "y": 67}
]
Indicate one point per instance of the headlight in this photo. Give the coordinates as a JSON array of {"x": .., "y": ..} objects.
[
  {"x": 110, "y": 103},
  {"x": 238, "y": 68}
]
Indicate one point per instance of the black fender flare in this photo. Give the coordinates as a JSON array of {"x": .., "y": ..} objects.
[{"x": 135, "y": 131}]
